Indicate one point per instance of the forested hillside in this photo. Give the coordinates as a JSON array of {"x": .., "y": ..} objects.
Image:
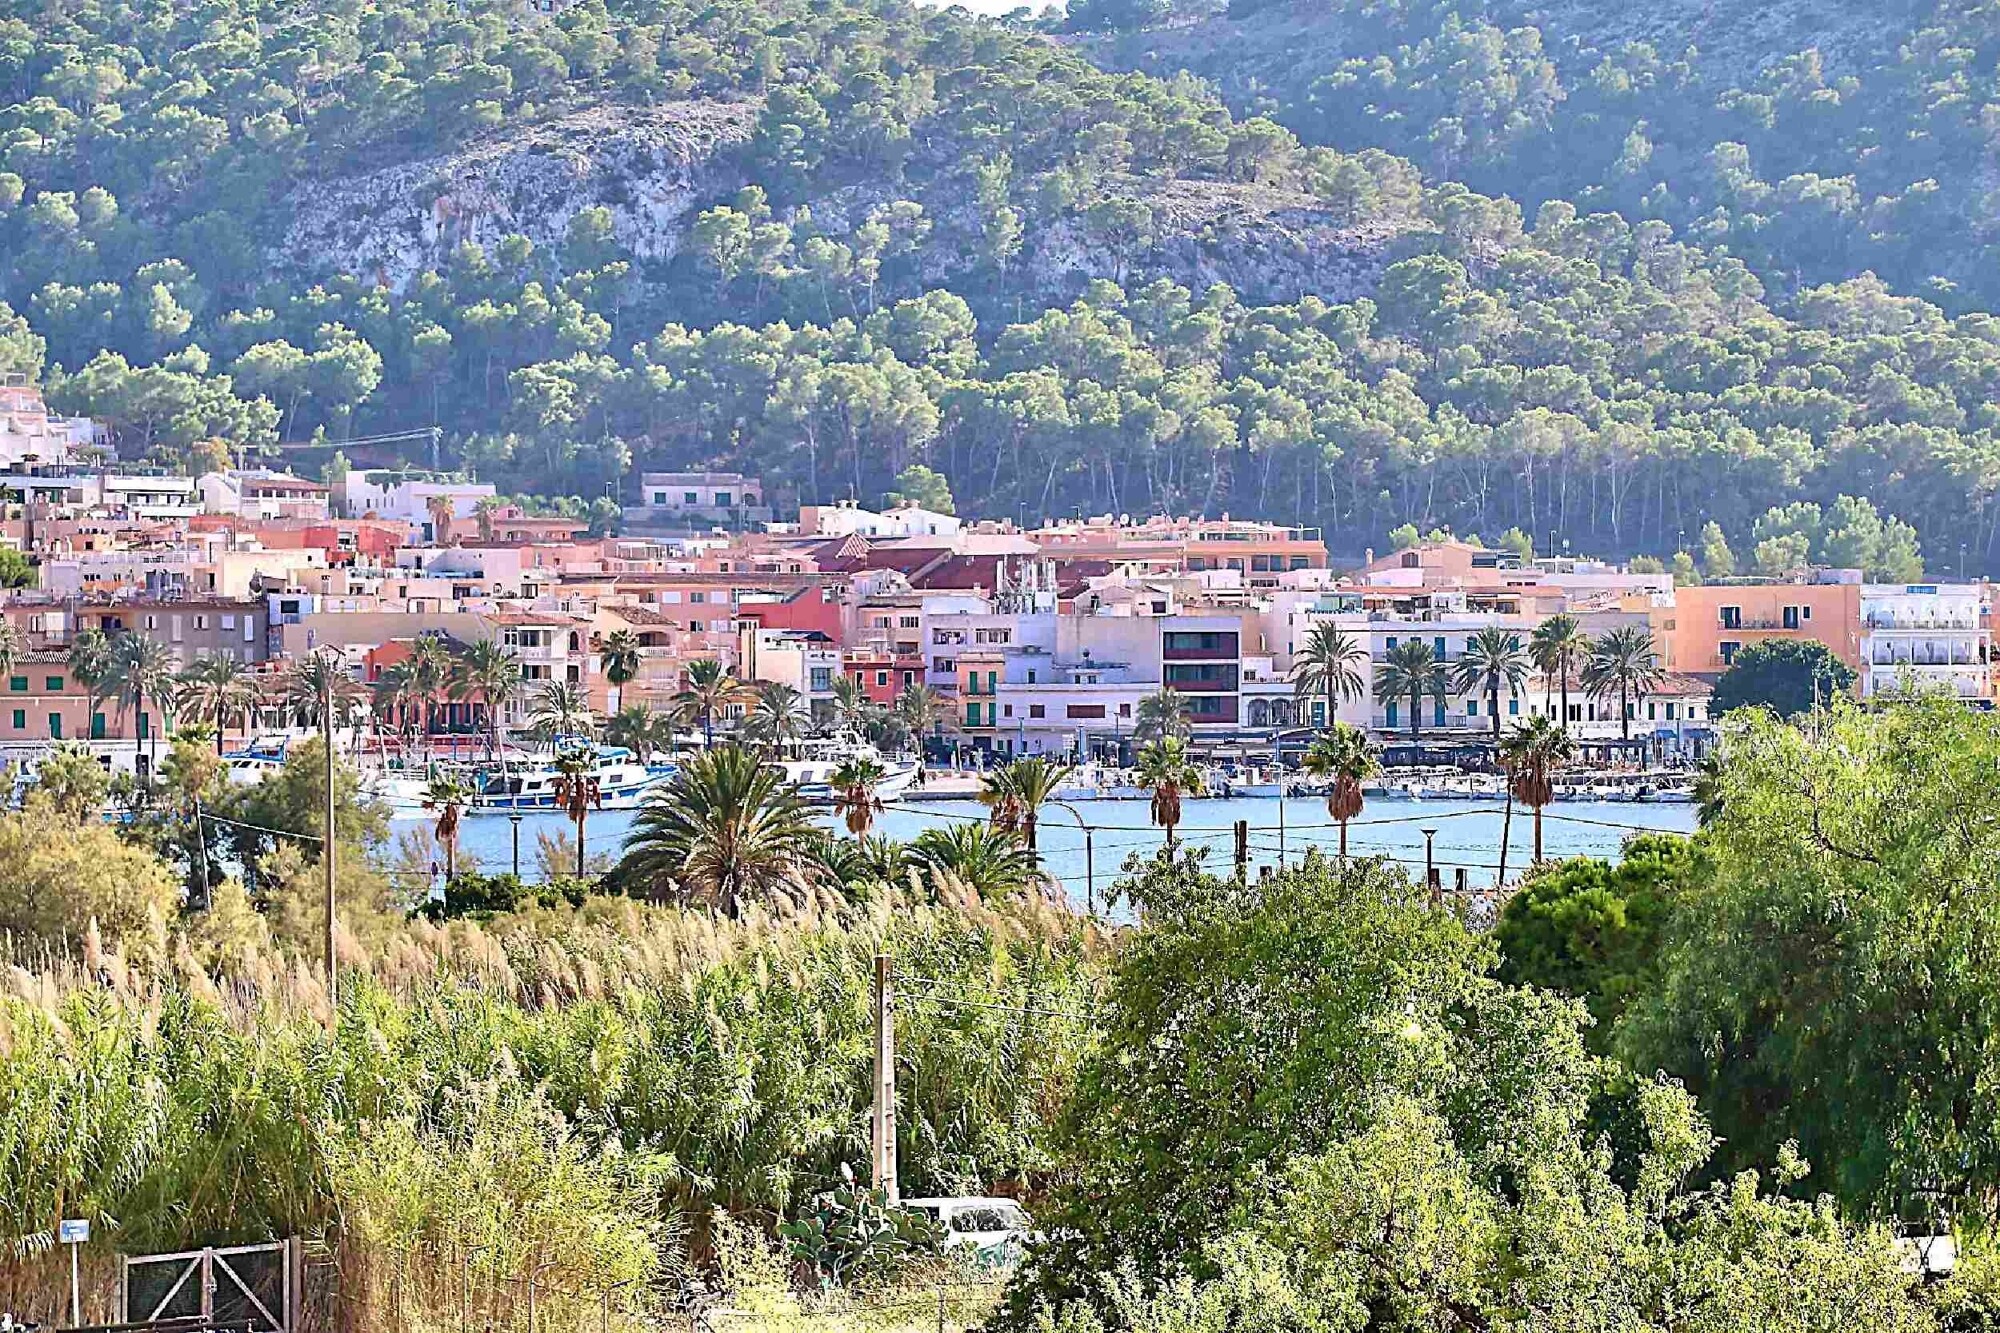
[{"x": 827, "y": 241}]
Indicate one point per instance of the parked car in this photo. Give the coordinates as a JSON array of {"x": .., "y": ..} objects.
[{"x": 996, "y": 1229}]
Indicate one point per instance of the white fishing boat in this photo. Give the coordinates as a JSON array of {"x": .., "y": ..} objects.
[
  {"x": 622, "y": 782},
  {"x": 816, "y": 762}
]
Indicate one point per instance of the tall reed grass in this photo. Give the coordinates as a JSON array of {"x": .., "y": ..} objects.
[{"x": 558, "y": 1101}]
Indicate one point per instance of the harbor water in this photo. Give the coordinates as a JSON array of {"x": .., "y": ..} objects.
[{"x": 1464, "y": 833}]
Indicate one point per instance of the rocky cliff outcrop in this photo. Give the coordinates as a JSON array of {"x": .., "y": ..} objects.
[{"x": 650, "y": 165}]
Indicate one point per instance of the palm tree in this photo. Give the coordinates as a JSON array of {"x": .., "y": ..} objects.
[
  {"x": 217, "y": 691},
  {"x": 1492, "y": 657},
  {"x": 142, "y": 672},
  {"x": 723, "y": 830},
  {"x": 398, "y": 698},
  {"x": 1165, "y": 770},
  {"x": 619, "y": 655},
  {"x": 90, "y": 667},
  {"x": 1342, "y": 754},
  {"x": 851, "y": 704},
  {"x": 442, "y": 510},
  {"x": 10, "y": 647},
  {"x": 921, "y": 710},
  {"x": 1623, "y": 663},
  {"x": 577, "y": 792},
  {"x": 638, "y": 728},
  {"x": 1412, "y": 672},
  {"x": 1327, "y": 665},
  {"x": 993, "y": 862},
  {"x": 430, "y": 665},
  {"x": 779, "y": 716},
  {"x": 447, "y": 795},
  {"x": 318, "y": 683},
  {"x": 854, "y": 797},
  {"x": 709, "y": 690},
  {"x": 560, "y": 710},
  {"x": 1017, "y": 793},
  {"x": 1531, "y": 754},
  {"x": 1555, "y": 647},
  {"x": 483, "y": 510},
  {"x": 487, "y": 672},
  {"x": 1164, "y": 714}
]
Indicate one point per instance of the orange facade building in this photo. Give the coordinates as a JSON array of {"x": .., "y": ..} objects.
[{"x": 1708, "y": 625}]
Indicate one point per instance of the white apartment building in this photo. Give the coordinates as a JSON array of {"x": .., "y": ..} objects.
[
  {"x": 261, "y": 494},
  {"x": 1925, "y": 637},
  {"x": 29, "y": 435},
  {"x": 393, "y": 495},
  {"x": 844, "y": 520},
  {"x": 806, "y": 660}
]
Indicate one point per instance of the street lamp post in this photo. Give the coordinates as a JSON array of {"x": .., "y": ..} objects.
[
  {"x": 515, "y": 820},
  {"x": 1430, "y": 865},
  {"x": 1089, "y": 859}
]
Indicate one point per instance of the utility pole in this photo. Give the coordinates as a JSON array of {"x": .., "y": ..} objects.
[
  {"x": 326, "y": 846},
  {"x": 1242, "y": 850},
  {"x": 882, "y": 1136}
]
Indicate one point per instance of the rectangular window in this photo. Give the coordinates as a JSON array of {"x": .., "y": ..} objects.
[
  {"x": 145, "y": 724},
  {"x": 20, "y": 719},
  {"x": 55, "y": 726},
  {"x": 908, "y": 622},
  {"x": 1007, "y": 710},
  {"x": 1791, "y": 617},
  {"x": 881, "y": 678},
  {"x": 1391, "y": 715},
  {"x": 1732, "y": 617},
  {"x": 18, "y": 684},
  {"x": 1437, "y": 647},
  {"x": 659, "y": 497},
  {"x": 698, "y": 598},
  {"x": 1729, "y": 648},
  {"x": 1124, "y": 710},
  {"x": 1472, "y": 708},
  {"x": 1038, "y": 710},
  {"x": 229, "y": 622},
  {"x": 201, "y": 622},
  {"x": 1652, "y": 712},
  {"x": 689, "y": 497},
  {"x": 822, "y": 679},
  {"x": 723, "y": 499},
  {"x": 1391, "y": 643},
  {"x": 53, "y": 684},
  {"x": 1085, "y": 712},
  {"x": 97, "y": 726},
  {"x": 1208, "y": 643},
  {"x": 1513, "y": 708},
  {"x": 1437, "y": 714}
]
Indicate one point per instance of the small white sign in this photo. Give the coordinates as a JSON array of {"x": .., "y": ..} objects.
[{"x": 73, "y": 1231}]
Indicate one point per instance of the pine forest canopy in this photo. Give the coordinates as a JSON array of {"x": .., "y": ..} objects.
[{"x": 910, "y": 237}]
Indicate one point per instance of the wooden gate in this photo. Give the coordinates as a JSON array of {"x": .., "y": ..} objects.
[{"x": 254, "y": 1288}]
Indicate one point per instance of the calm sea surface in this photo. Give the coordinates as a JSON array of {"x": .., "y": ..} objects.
[{"x": 1466, "y": 833}]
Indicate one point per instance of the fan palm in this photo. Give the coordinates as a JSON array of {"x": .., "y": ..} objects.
[
  {"x": 1555, "y": 647},
  {"x": 1624, "y": 663},
  {"x": 442, "y": 510},
  {"x": 1164, "y": 714},
  {"x": 709, "y": 690},
  {"x": 560, "y": 710},
  {"x": 488, "y": 673},
  {"x": 1342, "y": 755},
  {"x": 854, "y": 797},
  {"x": 1492, "y": 658},
  {"x": 1411, "y": 672},
  {"x": 1532, "y": 753},
  {"x": 447, "y": 796},
  {"x": 1165, "y": 770},
  {"x": 142, "y": 672},
  {"x": 724, "y": 830},
  {"x": 1329, "y": 664},
  {"x": 993, "y": 862},
  {"x": 779, "y": 716},
  {"x": 1017, "y": 793},
  {"x": 577, "y": 792},
  {"x": 217, "y": 691},
  {"x": 619, "y": 656}
]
